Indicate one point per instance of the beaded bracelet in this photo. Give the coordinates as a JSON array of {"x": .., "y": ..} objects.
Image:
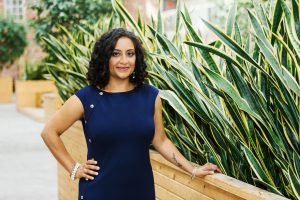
[{"x": 74, "y": 170}]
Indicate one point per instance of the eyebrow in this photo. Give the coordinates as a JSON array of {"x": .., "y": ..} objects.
[{"x": 120, "y": 50}]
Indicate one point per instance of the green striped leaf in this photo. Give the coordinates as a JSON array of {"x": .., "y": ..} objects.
[
  {"x": 231, "y": 20},
  {"x": 290, "y": 27},
  {"x": 193, "y": 34},
  {"x": 228, "y": 88},
  {"x": 277, "y": 17},
  {"x": 286, "y": 78},
  {"x": 259, "y": 30},
  {"x": 234, "y": 46},
  {"x": 121, "y": 10},
  {"x": 256, "y": 166},
  {"x": 218, "y": 52},
  {"x": 295, "y": 182}
]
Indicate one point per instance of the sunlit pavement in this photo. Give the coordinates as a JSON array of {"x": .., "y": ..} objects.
[{"x": 27, "y": 169}]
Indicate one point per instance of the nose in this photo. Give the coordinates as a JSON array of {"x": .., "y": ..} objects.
[{"x": 123, "y": 59}]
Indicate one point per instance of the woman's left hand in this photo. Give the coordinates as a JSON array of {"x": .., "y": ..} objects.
[{"x": 207, "y": 169}]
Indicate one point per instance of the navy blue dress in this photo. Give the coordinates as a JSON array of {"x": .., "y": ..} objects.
[{"x": 119, "y": 128}]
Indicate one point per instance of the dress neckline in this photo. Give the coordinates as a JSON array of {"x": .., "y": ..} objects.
[{"x": 124, "y": 92}]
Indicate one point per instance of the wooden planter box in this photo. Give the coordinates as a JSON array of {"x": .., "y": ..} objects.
[
  {"x": 29, "y": 93},
  {"x": 6, "y": 89},
  {"x": 51, "y": 103},
  {"x": 171, "y": 183}
]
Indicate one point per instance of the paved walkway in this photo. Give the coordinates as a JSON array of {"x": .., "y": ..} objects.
[{"x": 27, "y": 168}]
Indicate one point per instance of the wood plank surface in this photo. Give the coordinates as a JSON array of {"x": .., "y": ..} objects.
[
  {"x": 177, "y": 188},
  {"x": 210, "y": 185},
  {"x": 164, "y": 194}
]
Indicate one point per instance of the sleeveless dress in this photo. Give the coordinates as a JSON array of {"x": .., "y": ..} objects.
[{"x": 119, "y": 128}]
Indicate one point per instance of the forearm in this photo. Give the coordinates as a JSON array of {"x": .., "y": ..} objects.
[
  {"x": 169, "y": 151},
  {"x": 58, "y": 149}
]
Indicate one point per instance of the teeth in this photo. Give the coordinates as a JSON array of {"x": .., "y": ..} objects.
[{"x": 123, "y": 67}]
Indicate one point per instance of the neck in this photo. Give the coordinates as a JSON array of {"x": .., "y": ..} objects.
[{"x": 119, "y": 86}]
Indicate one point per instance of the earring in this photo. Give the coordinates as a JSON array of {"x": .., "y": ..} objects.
[{"x": 133, "y": 75}]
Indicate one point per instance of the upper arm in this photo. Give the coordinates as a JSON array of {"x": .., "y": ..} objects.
[
  {"x": 159, "y": 134},
  {"x": 71, "y": 111}
]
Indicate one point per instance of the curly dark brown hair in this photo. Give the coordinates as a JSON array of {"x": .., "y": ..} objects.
[{"x": 98, "y": 72}]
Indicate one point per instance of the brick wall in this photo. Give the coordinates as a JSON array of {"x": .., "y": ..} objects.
[{"x": 32, "y": 54}]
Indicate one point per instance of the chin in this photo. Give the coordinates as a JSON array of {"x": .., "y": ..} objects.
[{"x": 123, "y": 77}]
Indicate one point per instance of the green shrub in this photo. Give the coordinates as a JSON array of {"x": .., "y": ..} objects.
[
  {"x": 12, "y": 41},
  {"x": 35, "y": 71},
  {"x": 73, "y": 54},
  {"x": 70, "y": 14}
]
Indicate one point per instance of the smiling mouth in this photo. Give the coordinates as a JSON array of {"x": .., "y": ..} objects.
[{"x": 122, "y": 68}]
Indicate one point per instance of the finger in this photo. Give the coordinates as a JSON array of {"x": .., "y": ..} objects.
[
  {"x": 88, "y": 177},
  {"x": 215, "y": 168},
  {"x": 93, "y": 167},
  {"x": 91, "y": 162},
  {"x": 82, "y": 174},
  {"x": 210, "y": 167},
  {"x": 218, "y": 170},
  {"x": 204, "y": 173},
  {"x": 91, "y": 172}
]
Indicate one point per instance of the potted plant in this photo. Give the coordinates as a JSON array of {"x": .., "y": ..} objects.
[{"x": 12, "y": 44}]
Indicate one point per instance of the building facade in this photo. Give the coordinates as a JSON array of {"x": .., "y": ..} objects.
[{"x": 20, "y": 10}]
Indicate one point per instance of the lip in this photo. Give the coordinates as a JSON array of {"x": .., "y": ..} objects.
[{"x": 123, "y": 68}]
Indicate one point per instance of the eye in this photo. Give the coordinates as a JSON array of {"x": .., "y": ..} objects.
[
  {"x": 115, "y": 54},
  {"x": 130, "y": 54}
]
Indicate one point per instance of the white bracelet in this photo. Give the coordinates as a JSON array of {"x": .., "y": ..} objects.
[
  {"x": 194, "y": 172},
  {"x": 74, "y": 170}
]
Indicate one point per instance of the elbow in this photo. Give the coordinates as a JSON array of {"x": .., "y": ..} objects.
[
  {"x": 46, "y": 134},
  {"x": 159, "y": 142}
]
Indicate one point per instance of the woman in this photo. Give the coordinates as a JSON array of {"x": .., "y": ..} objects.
[{"x": 121, "y": 116}]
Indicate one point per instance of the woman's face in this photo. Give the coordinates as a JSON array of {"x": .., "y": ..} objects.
[{"x": 122, "y": 60}]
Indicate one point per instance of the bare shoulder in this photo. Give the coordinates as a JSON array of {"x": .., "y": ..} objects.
[
  {"x": 74, "y": 103},
  {"x": 71, "y": 111},
  {"x": 158, "y": 103}
]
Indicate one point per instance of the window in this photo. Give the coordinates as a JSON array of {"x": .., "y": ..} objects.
[
  {"x": 15, "y": 9},
  {"x": 169, "y": 4}
]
